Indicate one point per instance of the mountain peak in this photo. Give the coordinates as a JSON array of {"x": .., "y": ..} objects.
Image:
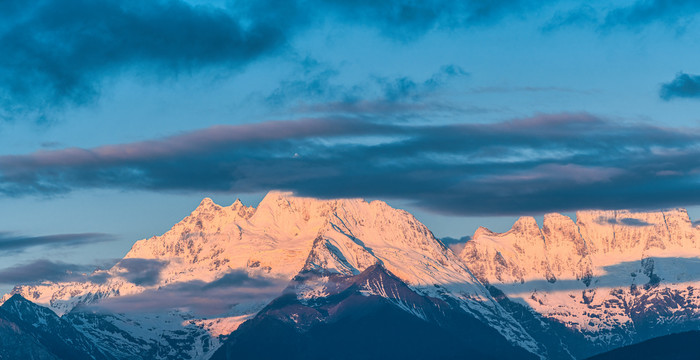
[
  {"x": 207, "y": 205},
  {"x": 526, "y": 226},
  {"x": 27, "y": 310},
  {"x": 556, "y": 218},
  {"x": 15, "y": 299},
  {"x": 526, "y": 221},
  {"x": 481, "y": 231}
]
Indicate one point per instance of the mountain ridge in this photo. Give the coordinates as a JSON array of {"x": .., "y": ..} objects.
[{"x": 246, "y": 257}]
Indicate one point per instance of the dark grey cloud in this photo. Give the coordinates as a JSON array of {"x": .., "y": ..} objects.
[
  {"x": 43, "y": 270},
  {"x": 57, "y": 53},
  {"x": 557, "y": 162},
  {"x": 682, "y": 86},
  {"x": 62, "y": 53},
  {"x": 10, "y": 242},
  {"x": 143, "y": 272}
]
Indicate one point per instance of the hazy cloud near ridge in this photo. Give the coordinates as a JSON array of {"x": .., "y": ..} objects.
[
  {"x": 142, "y": 272},
  {"x": 203, "y": 298},
  {"x": 544, "y": 163},
  {"x": 207, "y": 299},
  {"x": 623, "y": 221},
  {"x": 47, "y": 270}
]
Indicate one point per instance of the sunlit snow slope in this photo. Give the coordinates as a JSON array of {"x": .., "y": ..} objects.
[{"x": 616, "y": 276}]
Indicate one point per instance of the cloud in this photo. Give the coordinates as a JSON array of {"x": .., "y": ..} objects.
[
  {"x": 315, "y": 91},
  {"x": 676, "y": 14},
  {"x": 633, "y": 222},
  {"x": 142, "y": 272},
  {"x": 43, "y": 270},
  {"x": 582, "y": 15},
  {"x": 682, "y": 86},
  {"x": 644, "y": 12},
  {"x": 556, "y": 162},
  {"x": 10, "y": 242},
  {"x": 623, "y": 221},
  {"x": 456, "y": 245},
  {"x": 207, "y": 299},
  {"x": 59, "y": 54},
  {"x": 238, "y": 278},
  {"x": 405, "y": 19},
  {"x": 213, "y": 298}
]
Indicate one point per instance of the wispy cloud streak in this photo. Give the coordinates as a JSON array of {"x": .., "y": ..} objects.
[
  {"x": 10, "y": 242},
  {"x": 44, "y": 270}
]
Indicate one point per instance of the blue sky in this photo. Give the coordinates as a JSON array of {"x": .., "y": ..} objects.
[{"x": 118, "y": 117}]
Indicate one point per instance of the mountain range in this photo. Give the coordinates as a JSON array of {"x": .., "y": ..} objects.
[{"x": 302, "y": 278}]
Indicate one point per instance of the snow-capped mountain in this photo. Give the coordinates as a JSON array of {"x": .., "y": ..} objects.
[
  {"x": 617, "y": 277},
  {"x": 269, "y": 245},
  {"x": 567, "y": 290}
]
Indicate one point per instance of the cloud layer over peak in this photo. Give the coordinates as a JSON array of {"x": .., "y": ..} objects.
[{"x": 552, "y": 162}]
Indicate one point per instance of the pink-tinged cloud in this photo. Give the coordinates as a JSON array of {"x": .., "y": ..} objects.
[{"x": 195, "y": 142}]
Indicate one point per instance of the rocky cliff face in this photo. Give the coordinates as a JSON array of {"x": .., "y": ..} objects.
[{"x": 615, "y": 276}]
